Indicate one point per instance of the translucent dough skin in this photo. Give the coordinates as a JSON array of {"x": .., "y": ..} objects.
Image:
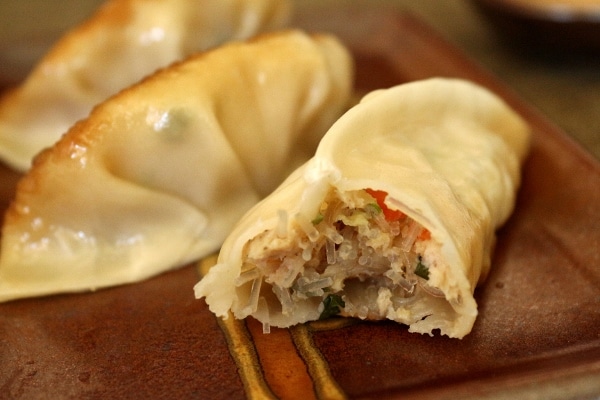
[
  {"x": 447, "y": 152},
  {"x": 121, "y": 43},
  {"x": 157, "y": 175}
]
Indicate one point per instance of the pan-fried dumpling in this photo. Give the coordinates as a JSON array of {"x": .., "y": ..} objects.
[
  {"x": 123, "y": 42},
  {"x": 393, "y": 218},
  {"x": 157, "y": 175}
]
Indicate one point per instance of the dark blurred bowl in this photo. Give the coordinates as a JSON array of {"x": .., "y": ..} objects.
[
  {"x": 28, "y": 28},
  {"x": 572, "y": 26}
]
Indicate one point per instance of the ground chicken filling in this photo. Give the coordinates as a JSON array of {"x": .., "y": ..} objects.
[{"x": 354, "y": 247}]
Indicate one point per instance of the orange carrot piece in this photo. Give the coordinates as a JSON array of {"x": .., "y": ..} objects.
[
  {"x": 390, "y": 215},
  {"x": 424, "y": 235}
]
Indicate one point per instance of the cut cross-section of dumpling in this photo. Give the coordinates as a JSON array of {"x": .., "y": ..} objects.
[
  {"x": 393, "y": 218},
  {"x": 121, "y": 43},
  {"x": 157, "y": 175}
]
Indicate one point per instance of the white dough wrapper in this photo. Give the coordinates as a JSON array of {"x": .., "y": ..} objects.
[
  {"x": 157, "y": 175},
  {"x": 121, "y": 43},
  {"x": 393, "y": 218}
]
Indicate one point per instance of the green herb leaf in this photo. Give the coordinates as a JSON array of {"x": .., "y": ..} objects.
[
  {"x": 373, "y": 208},
  {"x": 422, "y": 270},
  {"x": 318, "y": 219},
  {"x": 333, "y": 304}
]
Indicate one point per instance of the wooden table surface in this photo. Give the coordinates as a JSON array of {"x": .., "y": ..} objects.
[{"x": 567, "y": 90}]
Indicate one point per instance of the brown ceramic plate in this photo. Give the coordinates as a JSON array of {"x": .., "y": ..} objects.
[
  {"x": 557, "y": 26},
  {"x": 538, "y": 334}
]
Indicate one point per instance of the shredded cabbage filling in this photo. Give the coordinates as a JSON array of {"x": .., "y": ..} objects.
[{"x": 355, "y": 248}]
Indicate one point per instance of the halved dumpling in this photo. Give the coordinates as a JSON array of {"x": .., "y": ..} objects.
[{"x": 393, "y": 218}]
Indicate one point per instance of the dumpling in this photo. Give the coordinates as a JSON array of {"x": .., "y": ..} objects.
[
  {"x": 393, "y": 218},
  {"x": 157, "y": 175},
  {"x": 123, "y": 42}
]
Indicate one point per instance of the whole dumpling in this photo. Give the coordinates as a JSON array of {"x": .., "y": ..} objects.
[
  {"x": 157, "y": 175},
  {"x": 124, "y": 41}
]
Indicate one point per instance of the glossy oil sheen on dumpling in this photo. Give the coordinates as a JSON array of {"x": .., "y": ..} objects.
[
  {"x": 124, "y": 41},
  {"x": 157, "y": 175},
  {"x": 447, "y": 154}
]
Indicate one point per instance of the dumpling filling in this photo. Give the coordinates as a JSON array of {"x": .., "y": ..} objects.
[{"x": 356, "y": 257}]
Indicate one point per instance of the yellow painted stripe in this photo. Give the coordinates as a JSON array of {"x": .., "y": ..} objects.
[
  {"x": 239, "y": 342},
  {"x": 325, "y": 385},
  {"x": 243, "y": 352}
]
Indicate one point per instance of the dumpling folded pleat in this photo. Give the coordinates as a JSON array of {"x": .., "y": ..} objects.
[
  {"x": 121, "y": 43},
  {"x": 393, "y": 218},
  {"x": 157, "y": 175}
]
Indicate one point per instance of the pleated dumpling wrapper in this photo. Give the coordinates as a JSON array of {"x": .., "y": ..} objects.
[
  {"x": 157, "y": 175},
  {"x": 393, "y": 218},
  {"x": 121, "y": 43}
]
